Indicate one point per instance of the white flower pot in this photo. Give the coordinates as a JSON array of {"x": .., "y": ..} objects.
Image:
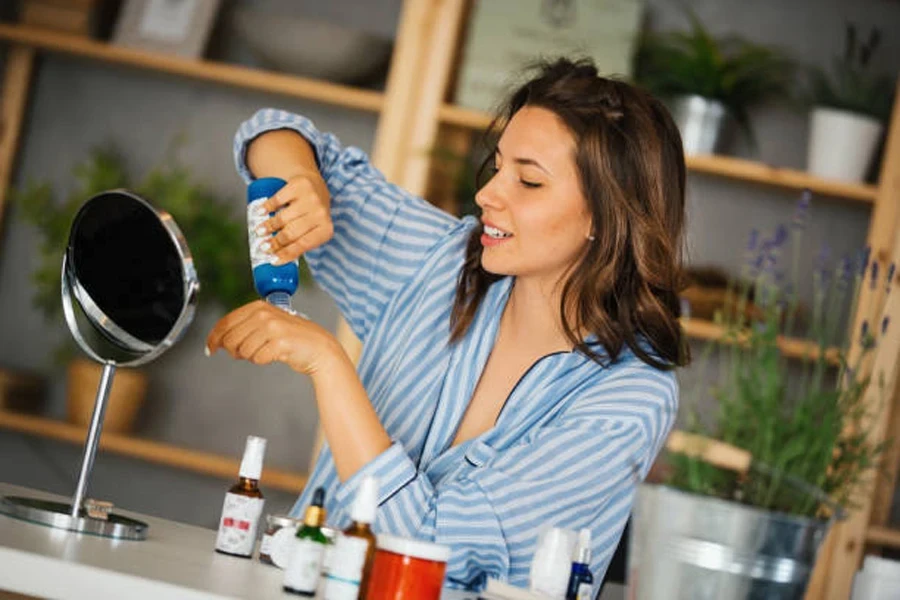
[{"x": 841, "y": 144}]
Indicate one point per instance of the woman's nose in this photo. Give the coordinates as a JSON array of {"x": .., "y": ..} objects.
[{"x": 489, "y": 196}]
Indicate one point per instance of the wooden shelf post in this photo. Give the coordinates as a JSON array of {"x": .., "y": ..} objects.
[
  {"x": 841, "y": 555},
  {"x": 16, "y": 82}
]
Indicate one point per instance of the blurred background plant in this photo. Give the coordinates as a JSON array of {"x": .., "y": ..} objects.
[
  {"x": 811, "y": 425},
  {"x": 852, "y": 84},
  {"x": 729, "y": 69}
]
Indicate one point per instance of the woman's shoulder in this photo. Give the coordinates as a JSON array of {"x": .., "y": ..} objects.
[
  {"x": 451, "y": 248},
  {"x": 628, "y": 382}
]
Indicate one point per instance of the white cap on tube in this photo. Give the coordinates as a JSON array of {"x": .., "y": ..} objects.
[
  {"x": 254, "y": 452},
  {"x": 583, "y": 550},
  {"x": 366, "y": 503}
]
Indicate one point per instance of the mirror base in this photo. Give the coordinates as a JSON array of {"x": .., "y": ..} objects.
[{"x": 56, "y": 514}]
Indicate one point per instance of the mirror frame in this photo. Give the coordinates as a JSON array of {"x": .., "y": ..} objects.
[{"x": 71, "y": 287}]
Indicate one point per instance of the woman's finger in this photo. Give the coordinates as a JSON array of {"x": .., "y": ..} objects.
[
  {"x": 298, "y": 209},
  {"x": 296, "y": 187},
  {"x": 290, "y": 233},
  {"x": 267, "y": 352},
  {"x": 313, "y": 238},
  {"x": 228, "y": 322},
  {"x": 255, "y": 340},
  {"x": 237, "y": 335}
]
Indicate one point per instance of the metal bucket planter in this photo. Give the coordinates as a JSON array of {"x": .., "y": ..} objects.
[
  {"x": 689, "y": 547},
  {"x": 704, "y": 124}
]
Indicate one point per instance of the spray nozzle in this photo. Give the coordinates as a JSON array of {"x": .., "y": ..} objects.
[{"x": 583, "y": 551}]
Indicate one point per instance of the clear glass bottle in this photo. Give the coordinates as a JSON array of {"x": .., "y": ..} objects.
[
  {"x": 305, "y": 566},
  {"x": 244, "y": 503}
]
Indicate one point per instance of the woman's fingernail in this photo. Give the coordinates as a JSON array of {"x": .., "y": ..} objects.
[
  {"x": 278, "y": 261},
  {"x": 260, "y": 230},
  {"x": 261, "y": 211},
  {"x": 265, "y": 246},
  {"x": 206, "y": 351}
]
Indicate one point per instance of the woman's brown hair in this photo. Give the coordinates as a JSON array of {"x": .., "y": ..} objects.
[{"x": 624, "y": 288}]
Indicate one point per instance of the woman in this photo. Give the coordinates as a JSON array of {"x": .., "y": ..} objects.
[{"x": 516, "y": 371}]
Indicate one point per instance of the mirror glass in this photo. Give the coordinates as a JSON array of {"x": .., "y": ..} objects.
[{"x": 129, "y": 283}]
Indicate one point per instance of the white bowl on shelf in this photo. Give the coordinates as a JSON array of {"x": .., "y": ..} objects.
[{"x": 310, "y": 47}]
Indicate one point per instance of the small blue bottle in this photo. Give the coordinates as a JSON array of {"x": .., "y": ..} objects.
[
  {"x": 274, "y": 283},
  {"x": 581, "y": 581}
]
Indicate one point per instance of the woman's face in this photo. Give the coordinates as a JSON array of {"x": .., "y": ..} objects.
[{"x": 536, "y": 219}]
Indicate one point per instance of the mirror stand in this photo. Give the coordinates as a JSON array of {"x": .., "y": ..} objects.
[
  {"x": 69, "y": 516},
  {"x": 93, "y": 436}
]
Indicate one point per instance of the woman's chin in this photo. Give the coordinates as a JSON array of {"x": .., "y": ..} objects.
[{"x": 495, "y": 267}]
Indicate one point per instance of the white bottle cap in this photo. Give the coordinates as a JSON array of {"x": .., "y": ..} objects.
[
  {"x": 583, "y": 551},
  {"x": 366, "y": 503},
  {"x": 254, "y": 452}
]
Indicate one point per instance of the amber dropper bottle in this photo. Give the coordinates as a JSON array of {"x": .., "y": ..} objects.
[
  {"x": 243, "y": 505},
  {"x": 351, "y": 557}
]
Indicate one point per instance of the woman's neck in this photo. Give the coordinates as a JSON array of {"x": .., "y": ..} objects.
[{"x": 532, "y": 315}]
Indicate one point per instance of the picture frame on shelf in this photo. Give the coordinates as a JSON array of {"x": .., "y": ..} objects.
[
  {"x": 504, "y": 36},
  {"x": 180, "y": 27},
  {"x": 78, "y": 17}
]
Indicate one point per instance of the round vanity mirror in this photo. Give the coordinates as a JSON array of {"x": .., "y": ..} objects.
[
  {"x": 129, "y": 284},
  {"x": 129, "y": 290}
]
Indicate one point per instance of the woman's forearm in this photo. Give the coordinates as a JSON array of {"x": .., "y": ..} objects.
[
  {"x": 281, "y": 153},
  {"x": 351, "y": 426}
]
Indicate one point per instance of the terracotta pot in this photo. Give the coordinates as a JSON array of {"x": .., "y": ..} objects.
[{"x": 125, "y": 398}]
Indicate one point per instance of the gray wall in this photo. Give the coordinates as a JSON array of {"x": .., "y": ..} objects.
[{"x": 212, "y": 404}]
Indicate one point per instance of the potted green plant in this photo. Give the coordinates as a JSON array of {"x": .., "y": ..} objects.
[
  {"x": 720, "y": 534},
  {"x": 212, "y": 226},
  {"x": 849, "y": 107},
  {"x": 710, "y": 81}
]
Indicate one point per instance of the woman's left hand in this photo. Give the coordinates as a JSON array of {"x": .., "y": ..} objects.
[{"x": 262, "y": 334}]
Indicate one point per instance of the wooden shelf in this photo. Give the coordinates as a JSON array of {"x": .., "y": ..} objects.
[
  {"x": 722, "y": 166},
  {"x": 790, "y": 347},
  {"x": 205, "y": 70},
  {"x": 154, "y": 452},
  {"x": 366, "y": 100},
  {"x": 737, "y": 168},
  {"x": 883, "y": 536},
  {"x": 464, "y": 117}
]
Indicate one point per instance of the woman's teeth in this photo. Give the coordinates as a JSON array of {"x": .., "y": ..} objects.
[{"x": 496, "y": 233}]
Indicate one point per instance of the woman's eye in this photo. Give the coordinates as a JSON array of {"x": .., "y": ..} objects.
[{"x": 530, "y": 184}]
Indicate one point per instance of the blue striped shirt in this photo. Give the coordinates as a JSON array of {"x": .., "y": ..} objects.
[{"x": 570, "y": 444}]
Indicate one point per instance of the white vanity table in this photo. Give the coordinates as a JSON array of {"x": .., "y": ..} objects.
[{"x": 176, "y": 562}]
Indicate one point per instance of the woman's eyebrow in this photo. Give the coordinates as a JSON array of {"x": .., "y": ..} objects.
[
  {"x": 524, "y": 161},
  {"x": 531, "y": 162}
]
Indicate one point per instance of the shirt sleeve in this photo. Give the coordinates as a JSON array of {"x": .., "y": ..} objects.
[
  {"x": 382, "y": 234},
  {"x": 581, "y": 471}
]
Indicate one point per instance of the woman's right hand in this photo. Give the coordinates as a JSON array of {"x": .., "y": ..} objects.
[{"x": 303, "y": 217}]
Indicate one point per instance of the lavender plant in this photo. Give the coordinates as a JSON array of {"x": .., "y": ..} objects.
[{"x": 808, "y": 422}]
